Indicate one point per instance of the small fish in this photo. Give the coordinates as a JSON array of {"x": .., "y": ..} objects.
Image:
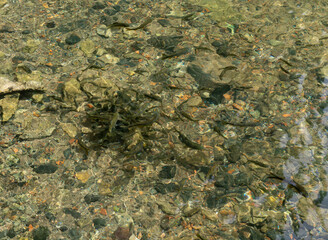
[
  {"x": 177, "y": 53},
  {"x": 188, "y": 142},
  {"x": 150, "y": 121},
  {"x": 183, "y": 113},
  {"x": 113, "y": 122},
  {"x": 82, "y": 145},
  {"x": 142, "y": 25},
  {"x": 291, "y": 183}
]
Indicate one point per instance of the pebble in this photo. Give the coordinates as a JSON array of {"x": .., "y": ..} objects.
[{"x": 72, "y": 39}]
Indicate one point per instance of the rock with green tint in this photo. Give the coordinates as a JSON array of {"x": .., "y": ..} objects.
[
  {"x": 41, "y": 233},
  {"x": 88, "y": 47}
]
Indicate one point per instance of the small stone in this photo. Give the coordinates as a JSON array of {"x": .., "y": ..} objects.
[
  {"x": 274, "y": 42},
  {"x": 195, "y": 158},
  {"x": 82, "y": 176},
  {"x": 75, "y": 214},
  {"x": 189, "y": 211},
  {"x": 166, "y": 207},
  {"x": 72, "y": 89},
  {"x": 99, "y": 223},
  {"x": 51, "y": 24},
  {"x": 37, "y": 97},
  {"x": 222, "y": 47},
  {"x": 41, "y": 233},
  {"x": 31, "y": 46},
  {"x": 9, "y": 105},
  {"x": 2, "y": 55},
  {"x": 122, "y": 233},
  {"x": 165, "y": 223},
  {"x": 165, "y": 188},
  {"x": 11, "y": 233},
  {"x": 46, "y": 168},
  {"x": 70, "y": 129},
  {"x": 88, "y": 47},
  {"x": 167, "y": 172},
  {"x": 63, "y": 228},
  {"x": 211, "y": 215},
  {"x": 50, "y": 216},
  {"x": 72, "y": 39},
  {"x": 202, "y": 78},
  {"x": 98, "y": 6},
  {"x": 103, "y": 31},
  {"x": 3, "y": 2},
  {"x": 89, "y": 198},
  {"x": 74, "y": 233},
  {"x": 217, "y": 96}
]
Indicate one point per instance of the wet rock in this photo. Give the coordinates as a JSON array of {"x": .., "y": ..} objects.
[
  {"x": 164, "y": 42},
  {"x": 70, "y": 129},
  {"x": 166, "y": 207},
  {"x": 215, "y": 200},
  {"x": 83, "y": 176},
  {"x": 216, "y": 96},
  {"x": 309, "y": 212},
  {"x": 88, "y": 47},
  {"x": 37, "y": 98},
  {"x": 100, "y": 87},
  {"x": 71, "y": 89},
  {"x": 222, "y": 47},
  {"x": 2, "y": 55},
  {"x": 63, "y": 228},
  {"x": 189, "y": 210},
  {"x": 194, "y": 101},
  {"x": 194, "y": 158},
  {"x": 105, "y": 188},
  {"x": 7, "y": 67},
  {"x": 167, "y": 172},
  {"x": 98, "y": 6},
  {"x": 72, "y": 39},
  {"x": 11, "y": 233},
  {"x": 122, "y": 233},
  {"x": 29, "y": 77},
  {"x": 41, "y": 233},
  {"x": 124, "y": 220},
  {"x": 111, "y": 11},
  {"x": 109, "y": 59},
  {"x": 89, "y": 198},
  {"x": 6, "y": 28},
  {"x": 202, "y": 78},
  {"x": 74, "y": 234},
  {"x": 3, "y": 2},
  {"x": 68, "y": 153},
  {"x": 250, "y": 233},
  {"x": 165, "y": 223},
  {"x": 185, "y": 195},
  {"x": 27, "y": 83},
  {"x": 211, "y": 215},
  {"x": 31, "y": 46},
  {"x": 165, "y": 188},
  {"x": 235, "y": 152},
  {"x": 50, "y": 216},
  {"x": 164, "y": 22},
  {"x": 75, "y": 214},
  {"x": 34, "y": 126},
  {"x": 45, "y": 168},
  {"x": 51, "y": 24},
  {"x": 8, "y": 106},
  {"x": 99, "y": 223},
  {"x": 103, "y": 31}
]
